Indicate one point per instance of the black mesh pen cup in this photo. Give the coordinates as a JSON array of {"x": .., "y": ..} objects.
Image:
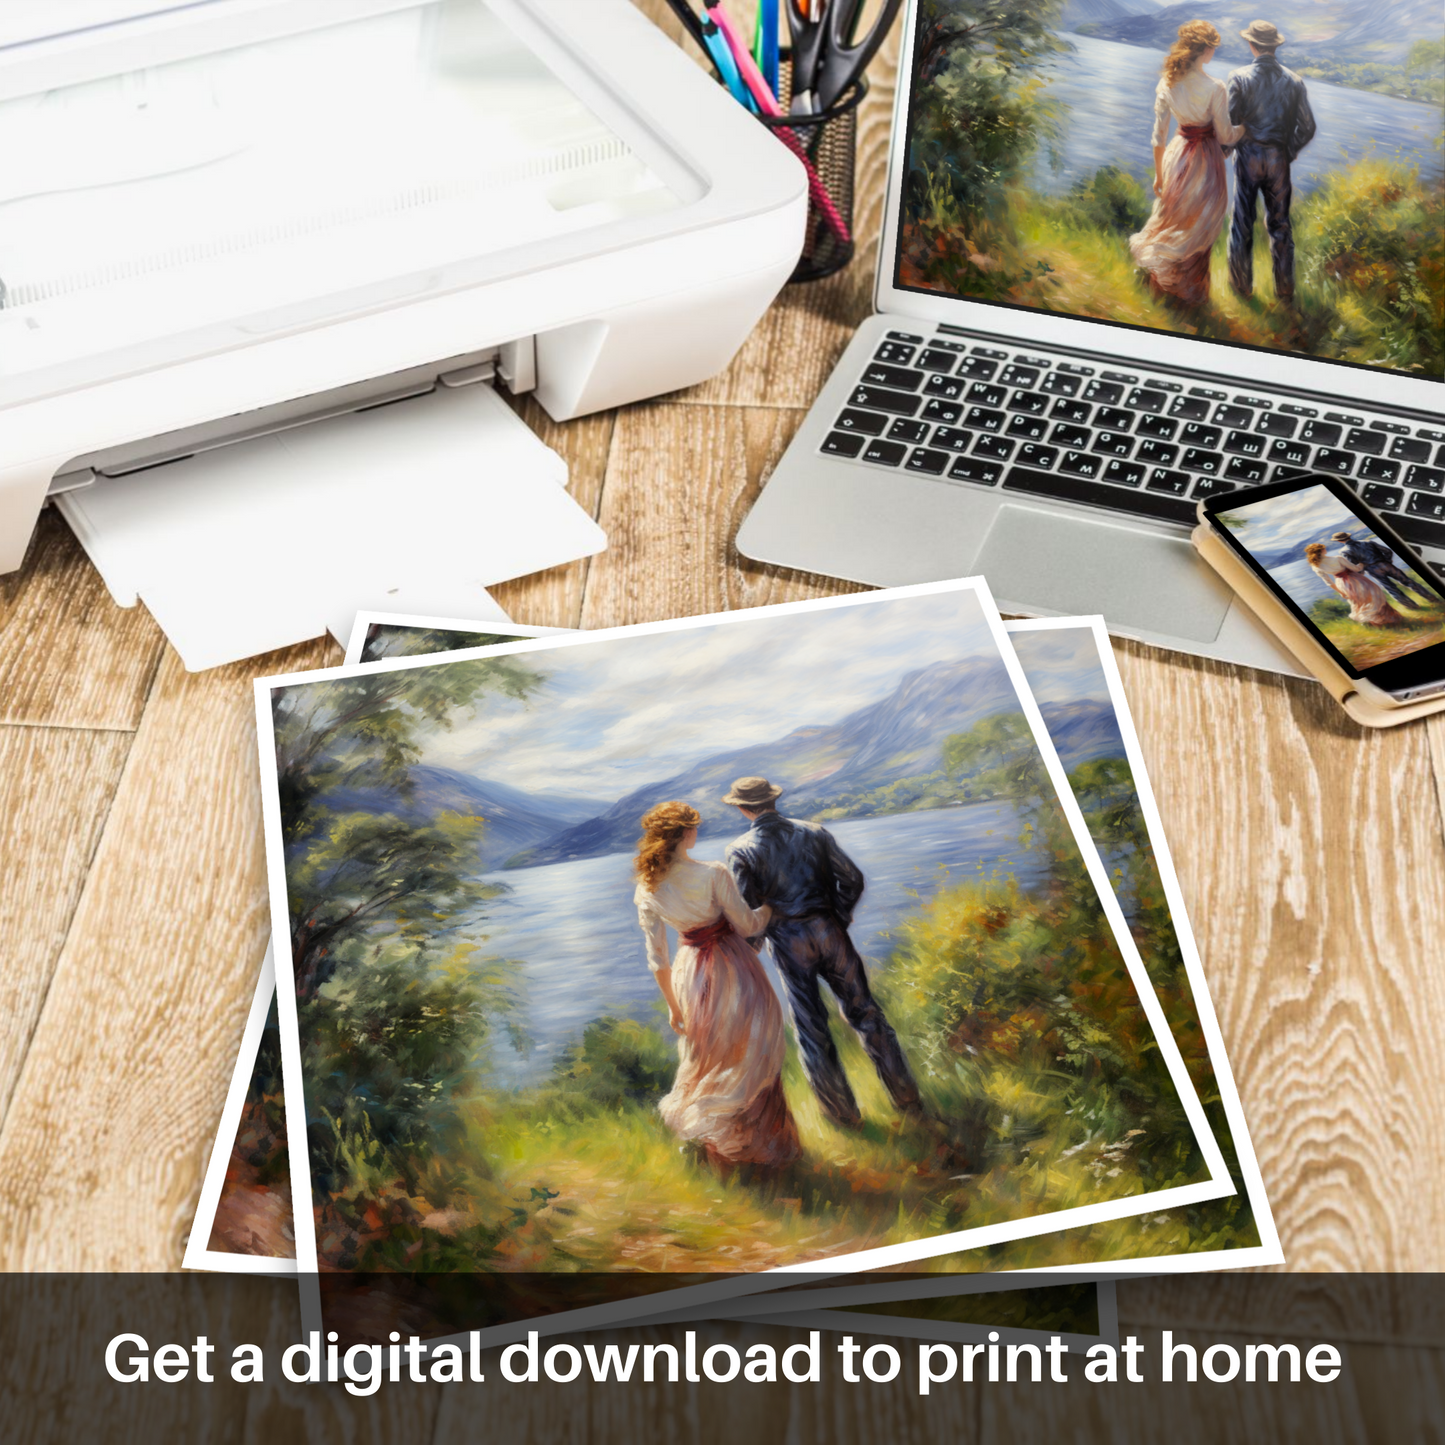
[{"x": 827, "y": 145}]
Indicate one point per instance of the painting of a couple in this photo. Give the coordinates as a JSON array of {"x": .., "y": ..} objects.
[
  {"x": 789, "y": 882},
  {"x": 1364, "y": 572},
  {"x": 1263, "y": 118}
]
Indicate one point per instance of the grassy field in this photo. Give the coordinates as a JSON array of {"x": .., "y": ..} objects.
[
  {"x": 1367, "y": 646},
  {"x": 1369, "y": 266}
]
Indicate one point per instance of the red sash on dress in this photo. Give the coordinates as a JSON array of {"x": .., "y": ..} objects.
[
  {"x": 1192, "y": 133},
  {"x": 703, "y": 938}
]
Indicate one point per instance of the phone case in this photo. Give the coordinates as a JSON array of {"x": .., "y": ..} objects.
[{"x": 1298, "y": 639}]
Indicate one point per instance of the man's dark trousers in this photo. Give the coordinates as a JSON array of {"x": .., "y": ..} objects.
[
  {"x": 818, "y": 949},
  {"x": 1261, "y": 170}
]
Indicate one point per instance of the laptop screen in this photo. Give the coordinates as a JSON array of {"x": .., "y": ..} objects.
[{"x": 1268, "y": 183}]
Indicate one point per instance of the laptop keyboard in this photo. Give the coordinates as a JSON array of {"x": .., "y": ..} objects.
[{"x": 1142, "y": 444}]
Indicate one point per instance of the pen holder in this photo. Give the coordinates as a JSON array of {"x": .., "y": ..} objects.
[{"x": 827, "y": 143}]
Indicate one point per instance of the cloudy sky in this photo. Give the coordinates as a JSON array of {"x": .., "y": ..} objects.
[
  {"x": 1062, "y": 665},
  {"x": 616, "y": 714}
]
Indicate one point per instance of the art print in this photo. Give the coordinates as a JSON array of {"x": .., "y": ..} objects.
[
  {"x": 551, "y": 1060},
  {"x": 1270, "y": 177}
]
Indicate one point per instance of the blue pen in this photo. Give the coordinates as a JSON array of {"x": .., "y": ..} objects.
[
  {"x": 727, "y": 67},
  {"x": 768, "y": 50}
]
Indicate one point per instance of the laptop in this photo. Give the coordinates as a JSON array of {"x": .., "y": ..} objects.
[{"x": 1024, "y": 406}]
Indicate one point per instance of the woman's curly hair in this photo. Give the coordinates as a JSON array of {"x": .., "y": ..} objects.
[
  {"x": 1195, "y": 37},
  {"x": 662, "y": 830}
]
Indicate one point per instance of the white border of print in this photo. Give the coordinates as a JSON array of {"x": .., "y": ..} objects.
[
  {"x": 1268, "y": 1250},
  {"x": 959, "y": 1332},
  {"x": 501, "y": 624},
  {"x": 198, "y": 1255},
  {"x": 1217, "y": 1185}
]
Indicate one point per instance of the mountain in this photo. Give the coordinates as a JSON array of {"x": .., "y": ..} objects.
[
  {"x": 1087, "y": 12},
  {"x": 1082, "y": 731},
  {"x": 515, "y": 819},
  {"x": 901, "y": 736}
]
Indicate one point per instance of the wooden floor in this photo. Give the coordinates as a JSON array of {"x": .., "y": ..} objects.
[{"x": 132, "y": 907}]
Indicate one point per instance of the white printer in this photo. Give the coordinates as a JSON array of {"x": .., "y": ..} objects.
[{"x": 233, "y": 231}]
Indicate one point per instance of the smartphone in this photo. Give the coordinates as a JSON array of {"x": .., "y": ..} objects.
[{"x": 1370, "y": 601}]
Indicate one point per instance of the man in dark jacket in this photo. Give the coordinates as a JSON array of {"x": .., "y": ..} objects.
[
  {"x": 1270, "y": 103},
  {"x": 812, "y": 887},
  {"x": 1379, "y": 562}
]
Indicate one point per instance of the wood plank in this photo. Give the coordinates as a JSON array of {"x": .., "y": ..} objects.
[
  {"x": 679, "y": 483},
  {"x": 554, "y": 598},
  {"x": 1312, "y": 861},
  {"x": 69, "y": 657},
  {"x": 114, "y": 1111},
  {"x": 56, "y": 786}
]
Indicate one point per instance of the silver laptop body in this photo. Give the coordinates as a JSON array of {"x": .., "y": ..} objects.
[{"x": 919, "y": 500}]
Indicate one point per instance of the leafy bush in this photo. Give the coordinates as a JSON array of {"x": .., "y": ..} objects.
[
  {"x": 616, "y": 1063},
  {"x": 1110, "y": 200}
]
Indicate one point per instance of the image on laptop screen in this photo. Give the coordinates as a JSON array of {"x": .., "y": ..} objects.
[{"x": 1297, "y": 148}]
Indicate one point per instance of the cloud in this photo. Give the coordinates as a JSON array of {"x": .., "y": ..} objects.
[{"x": 1062, "y": 665}]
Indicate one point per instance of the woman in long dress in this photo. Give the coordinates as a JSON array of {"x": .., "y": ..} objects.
[
  {"x": 1369, "y": 602},
  {"x": 728, "y": 1095},
  {"x": 1191, "y": 187}
]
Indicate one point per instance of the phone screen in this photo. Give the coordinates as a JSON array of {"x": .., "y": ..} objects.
[{"x": 1342, "y": 572}]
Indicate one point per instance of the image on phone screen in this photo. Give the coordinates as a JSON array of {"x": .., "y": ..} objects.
[{"x": 1369, "y": 603}]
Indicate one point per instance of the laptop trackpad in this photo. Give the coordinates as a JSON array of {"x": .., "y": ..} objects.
[{"x": 1073, "y": 565}]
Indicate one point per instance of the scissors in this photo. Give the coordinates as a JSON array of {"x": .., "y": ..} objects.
[{"x": 827, "y": 56}]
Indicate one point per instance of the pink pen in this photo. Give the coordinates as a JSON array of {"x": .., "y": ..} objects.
[{"x": 768, "y": 105}]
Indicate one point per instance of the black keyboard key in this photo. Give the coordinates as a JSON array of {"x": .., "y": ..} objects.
[
  {"x": 976, "y": 368},
  {"x": 895, "y": 353},
  {"x": 984, "y": 395},
  {"x": 1156, "y": 426},
  {"x": 1189, "y": 408},
  {"x": 955, "y": 439},
  {"x": 1100, "y": 494},
  {"x": 1075, "y": 411},
  {"x": 935, "y": 360},
  {"x": 1143, "y": 399},
  {"x": 1035, "y": 403},
  {"x": 1272, "y": 424},
  {"x": 1015, "y": 375},
  {"x": 886, "y": 454},
  {"x": 1395, "y": 428},
  {"x": 1211, "y": 487},
  {"x": 1210, "y": 394},
  {"x": 1031, "y": 428},
  {"x": 1161, "y": 479},
  {"x": 935, "y": 409},
  {"x": 1070, "y": 436},
  {"x": 971, "y": 469},
  {"x": 905, "y": 336},
  {"x": 1344, "y": 418},
  {"x": 1081, "y": 464},
  {"x": 1377, "y": 469},
  {"x": 981, "y": 419},
  {"x": 1156, "y": 454},
  {"x": 1382, "y": 499},
  {"x": 1058, "y": 383},
  {"x": 1426, "y": 504},
  {"x": 1402, "y": 449},
  {"x": 1440, "y": 457},
  {"x": 933, "y": 463},
  {"x": 990, "y": 351},
  {"x": 1107, "y": 392},
  {"x": 1195, "y": 435},
  {"x": 957, "y": 347},
  {"x": 877, "y": 398},
  {"x": 1372, "y": 443},
  {"x": 1418, "y": 530},
  {"x": 1113, "y": 418},
  {"x": 1321, "y": 433},
  {"x": 843, "y": 444},
  {"x": 950, "y": 388},
  {"x": 1233, "y": 416},
  {"x": 1289, "y": 454},
  {"x": 995, "y": 447},
  {"x": 1196, "y": 459},
  {"x": 906, "y": 430},
  {"x": 1124, "y": 474},
  {"x": 877, "y": 374},
  {"x": 867, "y": 422},
  {"x": 1246, "y": 469},
  {"x": 1041, "y": 457},
  {"x": 1255, "y": 401},
  {"x": 1245, "y": 444},
  {"x": 1127, "y": 377},
  {"x": 1294, "y": 410},
  {"x": 1327, "y": 459},
  {"x": 1430, "y": 434},
  {"x": 1425, "y": 479},
  {"x": 1112, "y": 444}
]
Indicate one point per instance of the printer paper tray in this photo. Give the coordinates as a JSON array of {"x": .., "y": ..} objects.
[{"x": 417, "y": 506}]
